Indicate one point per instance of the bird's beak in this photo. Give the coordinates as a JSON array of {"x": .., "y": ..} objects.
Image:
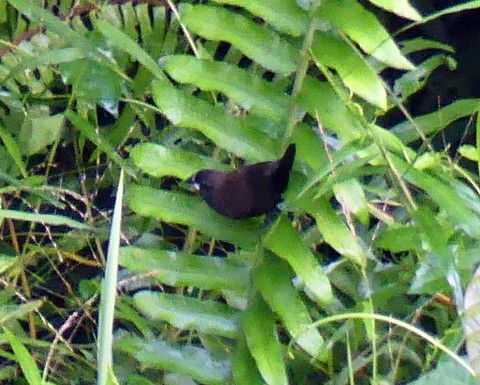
[{"x": 194, "y": 185}]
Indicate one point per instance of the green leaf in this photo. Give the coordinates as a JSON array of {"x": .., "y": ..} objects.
[
  {"x": 398, "y": 238},
  {"x": 35, "y": 185},
  {"x": 351, "y": 195},
  {"x": 366, "y": 31},
  {"x": 324, "y": 171},
  {"x": 172, "y": 379},
  {"x": 100, "y": 141},
  {"x": 54, "y": 24},
  {"x": 130, "y": 23},
  {"x": 51, "y": 57},
  {"x": 91, "y": 80},
  {"x": 243, "y": 365},
  {"x": 63, "y": 30},
  {"x": 309, "y": 149},
  {"x": 126, "y": 44},
  {"x": 399, "y": 7},
  {"x": 447, "y": 372},
  {"x": 39, "y": 132},
  {"x": 470, "y": 152},
  {"x": 429, "y": 277},
  {"x": 111, "y": 378},
  {"x": 191, "y": 211},
  {"x": 355, "y": 71},
  {"x": 144, "y": 24},
  {"x": 284, "y": 241},
  {"x": 465, "y": 192},
  {"x": 335, "y": 231},
  {"x": 189, "y": 313},
  {"x": 6, "y": 262},
  {"x": 189, "y": 360},
  {"x": 285, "y": 16},
  {"x": 50, "y": 219},
  {"x": 472, "y": 4},
  {"x": 262, "y": 341},
  {"x": 14, "y": 150},
  {"x": 435, "y": 122},
  {"x": 3, "y": 11},
  {"x": 437, "y": 239},
  {"x": 108, "y": 291},
  {"x": 420, "y": 44},
  {"x": 432, "y": 274},
  {"x": 157, "y": 161},
  {"x": 9, "y": 312},
  {"x": 214, "y": 122},
  {"x": 442, "y": 194},
  {"x": 415, "y": 80},
  {"x": 25, "y": 359},
  {"x": 247, "y": 89},
  {"x": 180, "y": 269},
  {"x": 319, "y": 98},
  {"x": 273, "y": 279},
  {"x": 262, "y": 45},
  {"x": 428, "y": 160},
  {"x": 390, "y": 142},
  {"x": 471, "y": 320}
]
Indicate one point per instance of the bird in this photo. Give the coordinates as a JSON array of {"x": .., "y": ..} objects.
[{"x": 248, "y": 192}]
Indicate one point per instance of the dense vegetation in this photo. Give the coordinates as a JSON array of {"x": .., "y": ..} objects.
[{"x": 361, "y": 278}]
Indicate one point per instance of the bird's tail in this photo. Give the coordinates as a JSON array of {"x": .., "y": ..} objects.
[
  {"x": 286, "y": 162},
  {"x": 280, "y": 179}
]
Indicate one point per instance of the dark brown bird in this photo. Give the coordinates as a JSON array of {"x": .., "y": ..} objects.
[{"x": 249, "y": 191}]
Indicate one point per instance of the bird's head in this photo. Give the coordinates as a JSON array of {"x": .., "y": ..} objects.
[{"x": 204, "y": 181}]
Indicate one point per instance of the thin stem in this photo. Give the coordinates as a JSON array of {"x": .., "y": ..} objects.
[
  {"x": 298, "y": 82},
  {"x": 402, "y": 324}
]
